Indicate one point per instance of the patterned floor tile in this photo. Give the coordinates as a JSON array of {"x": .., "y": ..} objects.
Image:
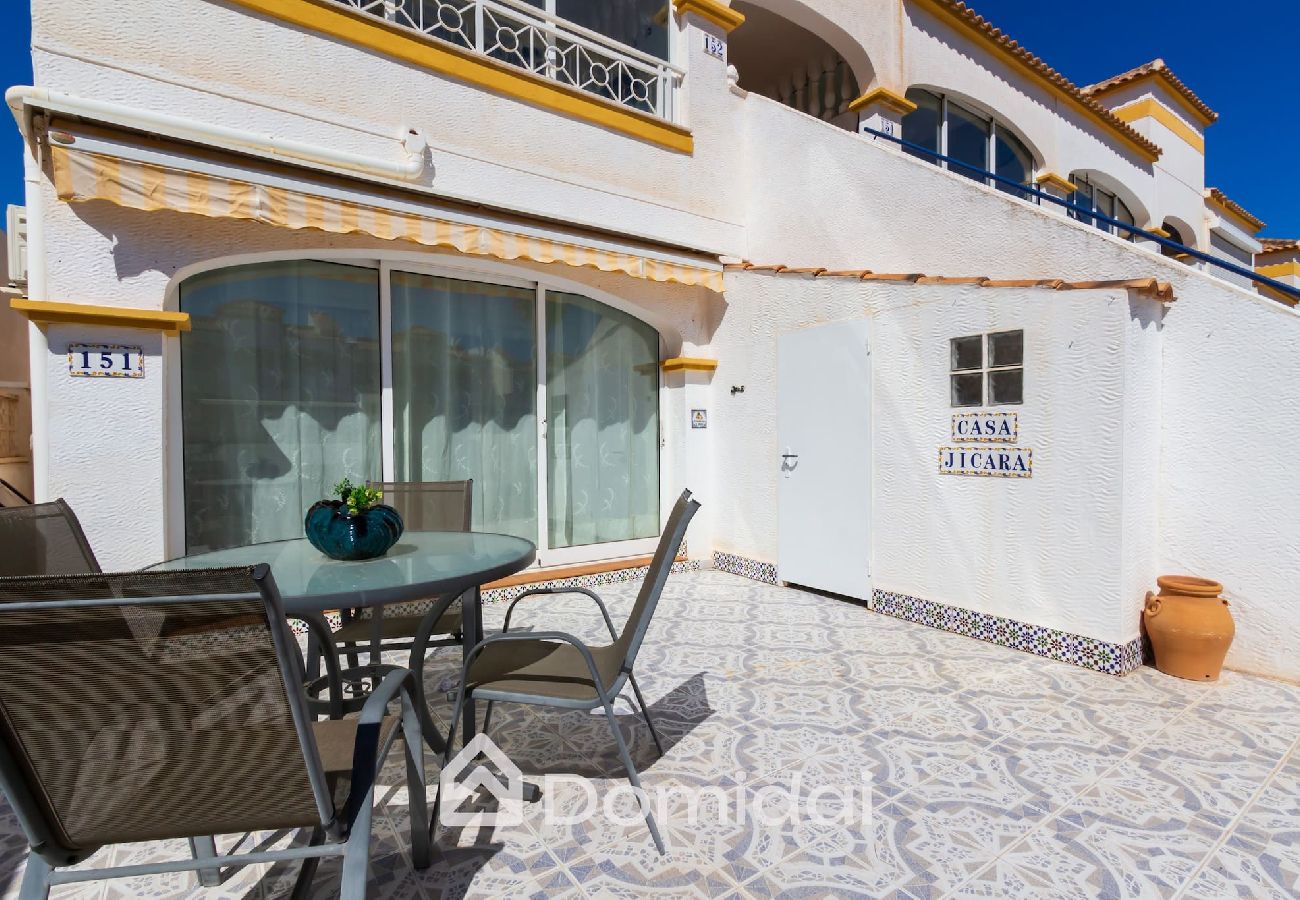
[
  {"x": 978, "y": 771},
  {"x": 944, "y": 838},
  {"x": 1244, "y": 869}
]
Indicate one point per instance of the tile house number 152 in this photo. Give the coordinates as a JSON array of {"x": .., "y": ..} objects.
[{"x": 105, "y": 361}]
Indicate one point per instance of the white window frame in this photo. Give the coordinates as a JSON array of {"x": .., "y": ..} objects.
[
  {"x": 1091, "y": 189},
  {"x": 992, "y": 150},
  {"x": 484, "y": 272}
]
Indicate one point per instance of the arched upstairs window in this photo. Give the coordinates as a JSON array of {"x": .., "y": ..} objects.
[
  {"x": 974, "y": 143},
  {"x": 1094, "y": 198},
  {"x": 1175, "y": 234}
]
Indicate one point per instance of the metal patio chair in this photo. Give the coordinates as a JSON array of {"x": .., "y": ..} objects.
[
  {"x": 158, "y": 705},
  {"x": 552, "y": 668},
  {"x": 423, "y": 506},
  {"x": 44, "y": 539}
]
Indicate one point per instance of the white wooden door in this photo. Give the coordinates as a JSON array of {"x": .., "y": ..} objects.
[{"x": 824, "y": 436}]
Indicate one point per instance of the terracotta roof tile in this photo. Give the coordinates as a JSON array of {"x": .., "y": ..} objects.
[
  {"x": 1280, "y": 245},
  {"x": 973, "y": 20},
  {"x": 1146, "y": 287},
  {"x": 1156, "y": 68},
  {"x": 1232, "y": 206}
]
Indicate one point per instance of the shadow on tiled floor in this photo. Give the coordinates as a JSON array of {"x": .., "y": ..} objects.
[{"x": 871, "y": 757}]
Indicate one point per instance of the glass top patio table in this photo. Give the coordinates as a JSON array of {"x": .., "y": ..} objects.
[{"x": 422, "y": 564}]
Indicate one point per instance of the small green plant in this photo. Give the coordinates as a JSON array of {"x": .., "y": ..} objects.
[{"x": 356, "y": 498}]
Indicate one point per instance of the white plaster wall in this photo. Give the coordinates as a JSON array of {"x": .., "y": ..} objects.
[
  {"x": 1141, "y": 403},
  {"x": 226, "y": 66},
  {"x": 1228, "y": 492},
  {"x": 1048, "y": 550},
  {"x": 106, "y": 446}
]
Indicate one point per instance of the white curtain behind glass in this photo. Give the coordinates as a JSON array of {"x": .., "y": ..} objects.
[
  {"x": 280, "y": 395},
  {"x": 465, "y": 393},
  {"x": 602, "y": 397}
]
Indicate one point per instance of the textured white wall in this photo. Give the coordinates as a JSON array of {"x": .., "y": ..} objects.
[
  {"x": 1228, "y": 491},
  {"x": 227, "y": 66},
  {"x": 1048, "y": 550}
]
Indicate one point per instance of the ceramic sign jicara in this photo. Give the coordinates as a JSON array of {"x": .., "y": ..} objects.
[
  {"x": 986, "y": 426},
  {"x": 105, "y": 361},
  {"x": 990, "y": 462}
]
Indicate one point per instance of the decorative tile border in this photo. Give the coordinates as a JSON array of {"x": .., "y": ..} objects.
[
  {"x": 745, "y": 567},
  {"x": 1090, "y": 653},
  {"x": 497, "y": 595}
]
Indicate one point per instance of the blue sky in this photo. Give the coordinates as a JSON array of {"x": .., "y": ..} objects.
[{"x": 1240, "y": 59}]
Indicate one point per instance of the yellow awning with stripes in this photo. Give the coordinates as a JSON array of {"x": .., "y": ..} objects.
[{"x": 81, "y": 176}]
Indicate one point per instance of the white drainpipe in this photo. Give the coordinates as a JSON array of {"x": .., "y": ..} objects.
[
  {"x": 38, "y": 347},
  {"x": 22, "y": 98}
]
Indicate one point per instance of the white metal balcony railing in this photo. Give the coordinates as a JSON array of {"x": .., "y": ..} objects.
[{"x": 539, "y": 42}]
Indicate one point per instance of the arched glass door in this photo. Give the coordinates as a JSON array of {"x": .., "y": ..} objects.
[{"x": 299, "y": 373}]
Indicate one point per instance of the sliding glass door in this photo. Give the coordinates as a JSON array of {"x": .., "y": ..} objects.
[
  {"x": 465, "y": 393},
  {"x": 299, "y": 373},
  {"x": 602, "y": 409},
  {"x": 280, "y": 395}
]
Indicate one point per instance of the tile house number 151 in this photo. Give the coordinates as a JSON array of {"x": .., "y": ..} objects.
[{"x": 105, "y": 361}]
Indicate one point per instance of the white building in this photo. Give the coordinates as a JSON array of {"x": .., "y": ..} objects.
[{"x": 570, "y": 250}]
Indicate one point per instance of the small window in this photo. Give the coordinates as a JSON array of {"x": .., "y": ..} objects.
[
  {"x": 967, "y": 353},
  {"x": 1002, "y": 379}
]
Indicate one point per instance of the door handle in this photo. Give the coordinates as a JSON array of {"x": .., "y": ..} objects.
[{"x": 789, "y": 455}]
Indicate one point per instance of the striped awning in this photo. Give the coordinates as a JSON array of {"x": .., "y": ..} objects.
[{"x": 81, "y": 176}]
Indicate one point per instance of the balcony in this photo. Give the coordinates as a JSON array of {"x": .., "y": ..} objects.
[{"x": 543, "y": 44}]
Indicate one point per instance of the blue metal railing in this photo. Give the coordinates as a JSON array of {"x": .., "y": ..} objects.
[{"x": 1087, "y": 214}]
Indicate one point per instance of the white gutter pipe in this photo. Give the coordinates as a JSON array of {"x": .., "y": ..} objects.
[
  {"x": 21, "y": 98},
  {"x": 38, "y": 347}
]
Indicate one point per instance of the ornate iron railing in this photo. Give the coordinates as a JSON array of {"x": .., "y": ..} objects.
[{"x": 538, "y": 42}]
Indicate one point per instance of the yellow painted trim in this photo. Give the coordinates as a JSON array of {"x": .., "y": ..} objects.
[
  {"x": 688, "y": 363},
  {"x": 364, "y": 30},
  {"x": 1051, "y": 179},
  {"x": 885, "y": 97},
  {"x": 952, "y": 18},
  {"x": 724, "y": 17},
  {"x": 48, "y": 312},
  {"x": 1277, "y": 295},
  {"x": 1161, "y": 232},
  {"x": 1169, "y": 91},
  {"x": 1153, "y": 108},
  {"x": 1280, "y": 270},
  {"x": 1243, "y": 223}
]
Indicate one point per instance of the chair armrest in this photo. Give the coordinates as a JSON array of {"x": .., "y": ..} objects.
[
  {"x": 604, "y": 611},
  {"x": 365, "y": 752}
]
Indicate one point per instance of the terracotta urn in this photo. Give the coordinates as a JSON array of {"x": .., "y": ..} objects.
[{"x": 1190, "y": 627}]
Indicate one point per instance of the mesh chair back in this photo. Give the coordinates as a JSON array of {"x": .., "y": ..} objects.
[
  {"x": 430, "y": 505},
  {"x": 153, "y": 705},
  {"x": 43, "y": 539},
  {"x": 629, "y": 642}
]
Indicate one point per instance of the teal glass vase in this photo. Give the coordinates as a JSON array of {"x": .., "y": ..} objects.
[{"x": 369, "y": 534}]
